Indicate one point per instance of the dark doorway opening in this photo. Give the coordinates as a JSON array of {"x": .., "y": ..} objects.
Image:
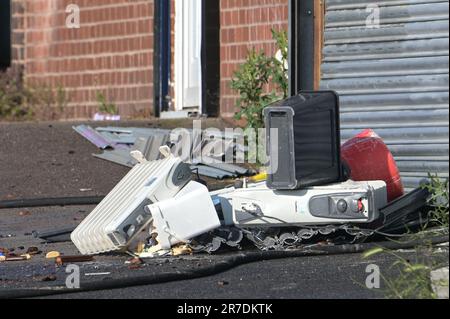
[
  {"x": 162, "y": 56},
  {"x": 211, "y": 58},
  {"x": 5, "y": 34}
]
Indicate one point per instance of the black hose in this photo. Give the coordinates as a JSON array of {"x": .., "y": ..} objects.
[
  {"x": 46, "y": 202},
  {"x": 230, "y": 263}
]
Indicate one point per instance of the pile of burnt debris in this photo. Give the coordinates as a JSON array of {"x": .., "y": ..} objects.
[
  {"x": 314, "y": 192},
  {"x": 205, "y": 150}
]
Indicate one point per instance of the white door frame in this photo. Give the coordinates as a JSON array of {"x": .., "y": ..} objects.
[{"x": 188, "y": 35}]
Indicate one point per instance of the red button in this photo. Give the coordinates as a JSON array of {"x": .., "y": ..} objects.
[{"x": 360, "y": 205}]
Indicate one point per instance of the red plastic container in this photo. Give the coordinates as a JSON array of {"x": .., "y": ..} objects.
[{"x": 369, "y": 159}]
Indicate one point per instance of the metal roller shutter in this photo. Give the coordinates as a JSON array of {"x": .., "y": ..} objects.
[{"x": 393, "y": 79}]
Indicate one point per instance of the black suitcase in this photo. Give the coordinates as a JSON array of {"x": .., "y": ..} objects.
[{"x": 306, "y": 150}]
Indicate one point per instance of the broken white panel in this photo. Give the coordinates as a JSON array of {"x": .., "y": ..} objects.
[
  {"x": 121, "y": 216},
  {"x": 189, "y": 214}
]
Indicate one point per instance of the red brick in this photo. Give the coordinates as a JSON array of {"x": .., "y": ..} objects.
[
  {"x": 111, "y": 52},
  {"x": 245, "y": 24}
]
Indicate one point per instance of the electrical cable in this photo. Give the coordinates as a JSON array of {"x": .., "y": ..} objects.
[
  {"x": 47, "y": 202},
  {"x": 226, "y": 265}
]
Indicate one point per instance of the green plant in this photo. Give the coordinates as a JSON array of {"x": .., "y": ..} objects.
[
  {"x": 13, "y": 95},
  {"x": 250, "y": 81},
  {"x": 280, "y": 71},
  {"x": 253, "y": 77},
  {"x": 104, "y": 105},
  {"x": 413, "y": 277},
  {"x": 42, "y": 96},
  {"x": 47, "y": 102},
  {"x": 61, "y": 98},
  {"x": 19, "y": 101},
  {"x": 438, "y": 189}
]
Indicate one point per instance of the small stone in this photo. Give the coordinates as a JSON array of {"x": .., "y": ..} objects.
[
  {"x": 33, "y": 251},
  {"x": 52, "y": 254},
  {"x": 223, "y": 283},
  {"x": 136, "y": 261}
]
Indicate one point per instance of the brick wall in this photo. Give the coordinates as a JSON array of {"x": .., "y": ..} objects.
[
  {"x": 111, "y": 53},
  {"x": 246, "y": 24}
]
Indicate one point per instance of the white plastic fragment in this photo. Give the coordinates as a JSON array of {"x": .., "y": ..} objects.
[
  {"x": 189, "y": 214},
  {"x": 165, "y": 151},
  {"x": 138, "y": 156}
]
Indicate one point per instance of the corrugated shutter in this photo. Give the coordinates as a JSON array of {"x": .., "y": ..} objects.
[{"x": 394, "y": 78}]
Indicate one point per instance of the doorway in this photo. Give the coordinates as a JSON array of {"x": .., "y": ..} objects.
[
  {"x": 188, "y": 64},
  {"x": 197, "y": 58},
  {"x": 5, "y": 34}
]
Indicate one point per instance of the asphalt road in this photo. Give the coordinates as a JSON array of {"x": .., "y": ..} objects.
[{"x": 51, "y": 160}]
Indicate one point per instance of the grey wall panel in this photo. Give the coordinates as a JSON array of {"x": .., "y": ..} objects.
[
  {"x": 412, "y": 182},
  {"x": 387, "y": 50},
  {"x": 418, "y": 165},
  {"x": 386, "y": 67},
  {"x": 395, "y": 102},
  {"x": 393, "y": 79},
  {"x": 390, "y": 15},
  {"x": 395, "y": 119},
  {"x": 387, "y": 85},
  {"x": 416, "y": 150},
  {"x": 391, "y": 32},
  {"x": 358, "y": 4},
  {"x": 406, "y": 136}
]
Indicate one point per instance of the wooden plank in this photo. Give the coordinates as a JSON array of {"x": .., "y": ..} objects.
[{"x": 319, "y": 17}]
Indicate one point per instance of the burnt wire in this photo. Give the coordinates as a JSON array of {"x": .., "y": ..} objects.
[{"x": 48, "y": 202}]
